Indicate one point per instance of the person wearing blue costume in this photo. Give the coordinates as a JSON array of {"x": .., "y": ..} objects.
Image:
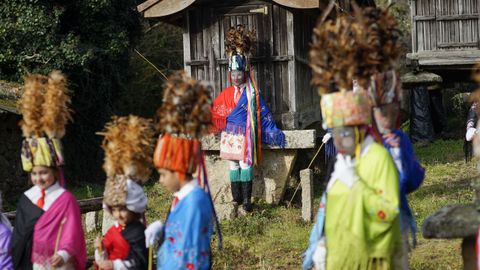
[
  {"x": 185, "y": 236},
  {"x": 385, "y": 91},
  {"x": 243, "y": 118}
]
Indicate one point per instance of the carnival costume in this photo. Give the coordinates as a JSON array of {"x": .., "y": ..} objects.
[
  {"x": 184, "y": 118},
  {"x": 241, "y": 114},
  {"x": 128, "y": 146},
  {"x": 5, "y": 241},
  {"x": 48, "y": 221}
]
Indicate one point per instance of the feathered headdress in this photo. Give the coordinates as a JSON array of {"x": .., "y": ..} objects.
[
  {"x": 44, "y": 107},
  {"x": 353, "y": 48},
  {"x": 128, "y": 146},
  {"x": 184, "y": 118},
  {"x": 239, "y": 42}
]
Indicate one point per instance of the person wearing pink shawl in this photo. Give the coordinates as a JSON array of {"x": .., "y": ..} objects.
[{"x": 48, "y": 230}]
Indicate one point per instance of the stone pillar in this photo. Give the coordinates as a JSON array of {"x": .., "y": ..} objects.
[
  {"x": 90, "y": 221},
  {"x": 107, "y": 222},
  {"x": 306, "y": 181}
]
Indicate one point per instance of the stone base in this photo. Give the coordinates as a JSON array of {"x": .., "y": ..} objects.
[{"x": 270, "y": 179}]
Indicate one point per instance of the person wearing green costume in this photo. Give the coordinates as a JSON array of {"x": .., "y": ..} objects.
[{"x": 358, "y": 225}]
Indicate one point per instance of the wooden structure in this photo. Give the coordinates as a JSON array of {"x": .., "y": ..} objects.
[
  {"x": 284, "y": 31},
  {"x": 445, "y": 33}
]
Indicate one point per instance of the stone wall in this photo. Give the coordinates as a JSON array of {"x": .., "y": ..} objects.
[{"x": 13, "y": 179}]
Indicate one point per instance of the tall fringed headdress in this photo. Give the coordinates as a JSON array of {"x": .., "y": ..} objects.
[
  {"x": 128, "y": 146},
  {"x": 183, "y": 119},
  {"x": 363, "y": 48},
  {"x": 353, "y": 48},
  {"x": 44, "y": 107},
  {"x": 238, "y": 44}
]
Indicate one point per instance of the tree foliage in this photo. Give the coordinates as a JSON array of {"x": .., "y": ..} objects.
[{"x": 90, "y": 41}]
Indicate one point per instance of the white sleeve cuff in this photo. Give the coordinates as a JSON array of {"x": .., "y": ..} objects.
[
  {"x": 99, "y": 257},
  {"x": 118, "y": 265},
  {"x": 64, "y": 254}
]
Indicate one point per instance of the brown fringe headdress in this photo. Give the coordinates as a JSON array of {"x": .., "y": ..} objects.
[
  {"x": 44, "y": 107},
  {"x": 353, "y": 48},
  {"x": 128, "y": 146},
  {"x": 238, "y": 45},
  {"x": 184, "y": 118}
]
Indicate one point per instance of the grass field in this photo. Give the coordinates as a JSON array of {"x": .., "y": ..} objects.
[{"x": 275, "y": 236}]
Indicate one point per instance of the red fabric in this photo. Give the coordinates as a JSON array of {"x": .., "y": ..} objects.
[
  {"x": 41, "y": 200},
  {"x": 222, "y": 106},
  {"x": 174, "y": 202},
  {"x": 115, "y": 245}
]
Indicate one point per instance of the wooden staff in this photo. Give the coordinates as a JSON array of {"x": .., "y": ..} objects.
[
  {"x": 57, "y": 242},
  {"x": 150, "y": 257}
]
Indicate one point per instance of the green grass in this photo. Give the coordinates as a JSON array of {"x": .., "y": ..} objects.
[
  {"x": 275, "y": 236},
  {"x": 447, "y": 182}
]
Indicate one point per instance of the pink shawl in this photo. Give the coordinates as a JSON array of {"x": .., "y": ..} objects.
[{"x": 71, "y": 239}]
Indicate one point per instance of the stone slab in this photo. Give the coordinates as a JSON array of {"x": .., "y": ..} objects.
[
  {"x": 421, "y": 78},
  {"x": 454, "y": 221},
  {"x": 270, "y": 178},
  {"x": 295, "y": 139}
]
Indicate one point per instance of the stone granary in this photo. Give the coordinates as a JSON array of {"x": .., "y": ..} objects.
[
  {"x": 10, "y": 135},
  {"x": 283, "y": 32},
  {"x": 445, "y": 46}
]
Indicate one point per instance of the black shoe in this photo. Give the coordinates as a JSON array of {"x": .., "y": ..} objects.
[
  {"x": 247, "y": 195},
  {"x": 237, "y": 192}
]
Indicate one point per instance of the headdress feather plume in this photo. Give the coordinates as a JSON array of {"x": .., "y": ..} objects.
[
  {"x": 31, "y": 105},
  {"x": 186, "y": 107},
  {"x": 56, "y": 113},
  {"x": 239, "y": 40},
  {"x": 128, "y": 146}
]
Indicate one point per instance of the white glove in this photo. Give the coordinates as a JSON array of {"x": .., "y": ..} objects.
[
  {"x": 470, "y": 133},
  {"x": 320, "y": 255},
  {"x": 326, "y": 137},
  {"x": 152, "y": 233},
  {"x": 344, "y": 171}
]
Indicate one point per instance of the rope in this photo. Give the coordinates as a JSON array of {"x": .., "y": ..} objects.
[
  {"x": 155, "y": 67},
  {"x": 309, "y": 165}
]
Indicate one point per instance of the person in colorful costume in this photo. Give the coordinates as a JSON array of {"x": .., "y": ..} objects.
[
  {"x": 359, "y": 216},
  {"x": 385, "y": 91},
  {"x": 48, "y": 230},
  {"x": 240, "y": 110},
  {"x": 5, "y": 241},
  {"x": 184, "y": 118},
  {"x": 128, "y": 146}
]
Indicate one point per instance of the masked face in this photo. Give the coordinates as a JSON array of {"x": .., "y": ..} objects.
[
  {"x": 344, "y": 140},
  {"x": 386, "y": 117},
  {"x": 238, "y": 77}
]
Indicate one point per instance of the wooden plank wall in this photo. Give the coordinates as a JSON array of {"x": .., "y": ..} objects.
[
  {"x": 306, "y": 94},
  {"x": 270, "y": 59},
  {"x": 441, "y": 25}
]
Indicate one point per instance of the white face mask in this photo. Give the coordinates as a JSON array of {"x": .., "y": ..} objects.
[{"x": 238, "y": 77}]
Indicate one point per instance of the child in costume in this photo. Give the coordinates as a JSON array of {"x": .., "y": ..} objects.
[
  {"x": 385, "y": 91},
  {"x": 128, "y": 158},
  {"x": 243, "y": 117},
  {"x": 5, "y": 241},
  {"x": 184, "y": 118},
  {"x": 48, "y": 230}
]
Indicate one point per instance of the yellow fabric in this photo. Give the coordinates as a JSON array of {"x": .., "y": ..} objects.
[
  {"x": 362, "y": 224},
  {"x": 37, "y": 152}
]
